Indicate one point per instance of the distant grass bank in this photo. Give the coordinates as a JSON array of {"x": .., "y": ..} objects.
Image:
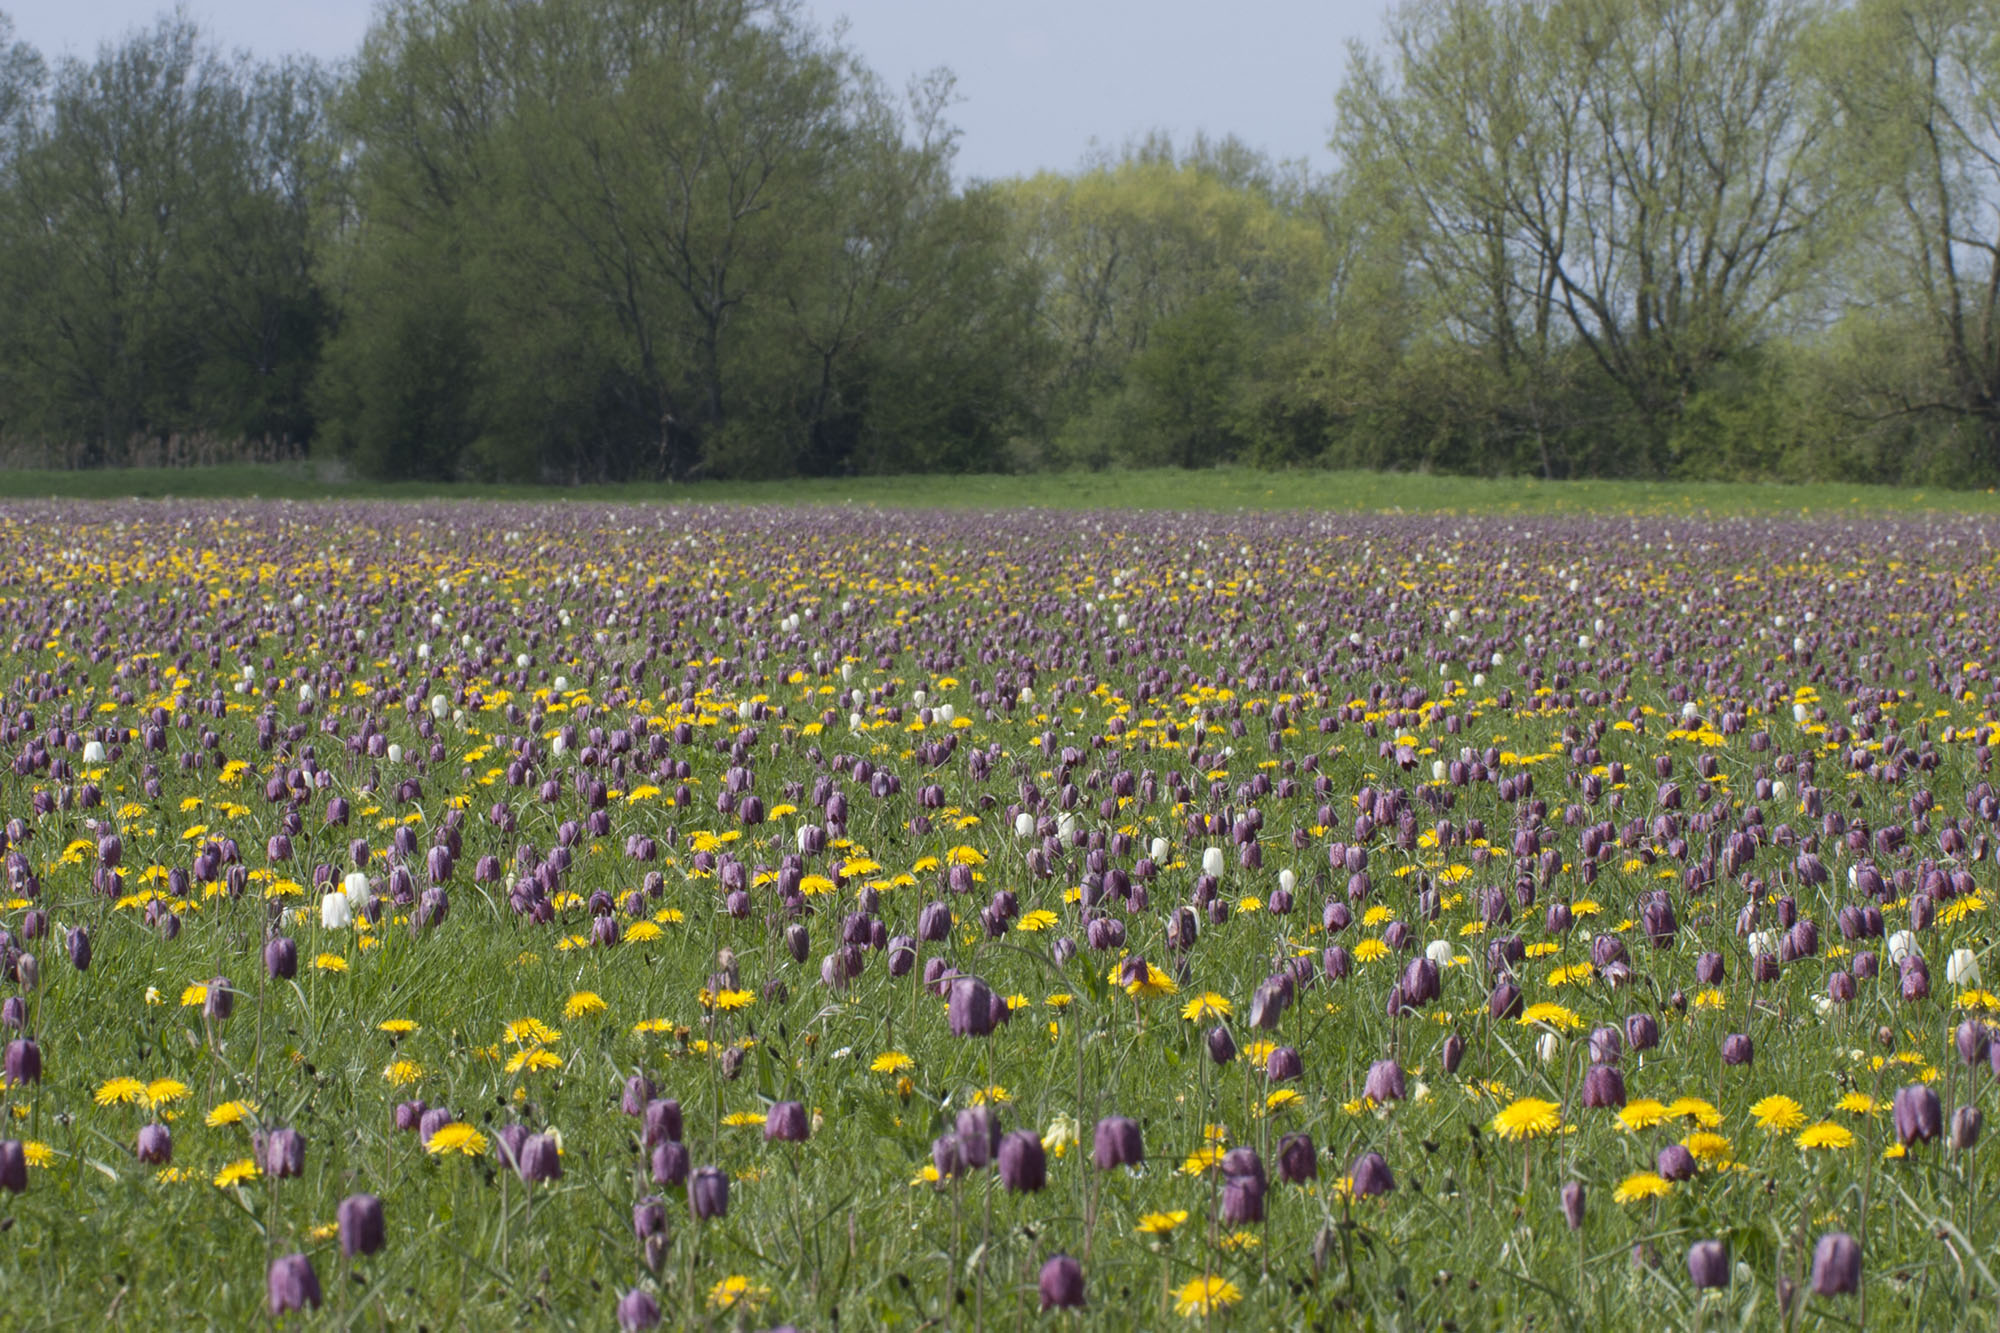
[{"x": 1165, "y": 488}]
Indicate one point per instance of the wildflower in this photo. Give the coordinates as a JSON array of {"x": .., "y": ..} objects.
[
  {"x": 228, "y": 1113},
  {"x": 736, "y": 1291},
  {"x": 121, "y": 1089},
  {"x": 396, "y": 1027},
  {"x": 292, "y": 1284},
  {"x": 1641, "y": 1185},
  {"x": 1643, "y": 1113},
  {"x": 1554, "y": 1015},
  {"x": 1826, "y": 1134},
  {"x": 1918, "y": 1114},
  {"x": 1206, "y": 1005},
  {"x": 359, "y": 1219},
  {"x": 1836, "y": 1265},
  {"x": 1777, "y": 1114},
  {"x": 582, "y": 1003},
  {"x": 1708, "y": 1263},
  {"x": 891, "y": 1062},
  {"x": 1528, "y": 1118},
  {"x": 402, "y": 1073},
  {"x": 456, "y": 1137},
  {"x": 237, "y": 1172},
  {"x": 1204, "y": 1296},
  {"x": 1061, "y": 1284},
  {"x": 1161, "y": 1224}
]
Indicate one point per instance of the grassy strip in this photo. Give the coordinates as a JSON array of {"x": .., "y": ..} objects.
[{"x": 1162, "y": 488}]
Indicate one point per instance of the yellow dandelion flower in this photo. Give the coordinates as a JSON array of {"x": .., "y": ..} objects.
[
  {"x": 1554, "y": 1015},
  {"x": 194, "y": 995},
  {"x": 1858, "y": 1103},
  {"x": 1205, "y": 1295},
  {"x": 37, "y": 1154},
  {"x": 534, "y": 1060},
  {"x": 403, "y": 1073},
  {"x": 330, "y": 962},
  {"x": 1367, "y": 951},
  {"x": 456, "y": 1137},
  {"x": 992, "y": 1096},
  {"x": 743, "y": 1119},
  {"x": 1240, "y": 1240},
  {"x": 1205, "y": 1006},
  {"x": 530, "y": 1032},
  {"x": 119, "y": 1090},
  {"x": 731, "y": 1000},
  {"x": 965, "y": 856},
  {"x": 1702, "y": 1112},
  {"x": 1161, "y": 1224},
  {"x": 1528, "y": 1118},
  {"x": 229, "y": 1113},
  {"x": 582, "y": 1003},
  {"x": 1282, "y": 1098},
  {"x": 1707, "y": 1146},
  {"x": 1201, "y": 1160},
  {"x": 397, "y": 1027},
  {"x": 1826, "y": 1134},
  {"x": 325, "y": 1231},
  {"x": 737, "y": 1291},
  {"x": 1642, "y": 1113},
  {"x": 236, "y": 1173},
  {"x": 891, "y": 1062},
  {"x": 1641, "y": 1185},
  {"x": 642, "y": 931},
  {"x": 1038, "y": 920},
  {"x": 1777, "y": 1114},
  {"x": 166, "y": 1091},
  {"x": 1155, "y": 984}
]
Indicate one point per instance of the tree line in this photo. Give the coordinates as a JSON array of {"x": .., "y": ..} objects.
[{"x": 591, "y": 240}]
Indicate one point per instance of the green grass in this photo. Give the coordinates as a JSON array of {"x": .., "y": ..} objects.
[{"x": 1224, "y": 489}]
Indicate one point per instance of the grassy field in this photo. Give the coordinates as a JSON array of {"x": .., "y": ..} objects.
[
  {"x": 1223, "y": 489},
  {"x": 862, "y": 920}
]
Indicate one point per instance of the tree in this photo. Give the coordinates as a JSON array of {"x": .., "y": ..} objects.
[
  {"x": 1637, "y": 179},
  {"x": 1916, "y": 88},
  {"x": 159, "y": 209}
]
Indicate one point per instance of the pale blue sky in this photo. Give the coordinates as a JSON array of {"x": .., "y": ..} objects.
[{"x": 1038, "y": 79}]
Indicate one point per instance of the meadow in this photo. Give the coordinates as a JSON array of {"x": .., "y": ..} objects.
[{"x": 443, "y": 914}]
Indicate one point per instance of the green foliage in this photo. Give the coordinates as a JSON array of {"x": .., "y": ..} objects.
[{"x": 597, "y": 241}]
